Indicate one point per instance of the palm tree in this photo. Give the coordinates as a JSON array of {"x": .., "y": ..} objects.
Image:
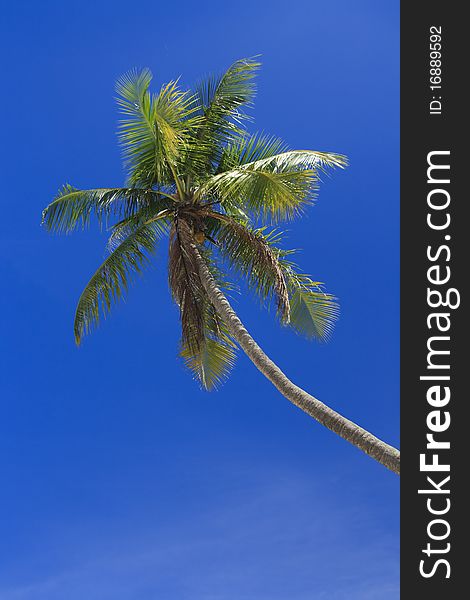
[{"x": 196, "y": 174}]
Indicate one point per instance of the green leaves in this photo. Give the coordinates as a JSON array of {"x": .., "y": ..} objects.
[
  {"x": 120, "y": 231},
  {"x": 250, "y": 251},
  {"x": 313, "y": 312},
  {"x": 301, "y": 302},
  {"x": 299, "y": 159},
  {"x": 215, "y": 357},
  {"x": 265, "y": 193},
  {"x": 186, "y": 153},
  {"x": 212, "y": 363},
  {"x": 220, "y": 102},
  {"x": 72, "y": 208},
  {"x": 113, "y": 277},
  {"x": 221, "y": 98},
  {"x": 276, "y": 186},
  {"x": 205, "y": 343},
  {"x": 156, "y": 128},
  {"x": 249, "y": 149}
]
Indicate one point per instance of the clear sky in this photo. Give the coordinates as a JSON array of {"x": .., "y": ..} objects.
[{"x": 120, "y": 479}]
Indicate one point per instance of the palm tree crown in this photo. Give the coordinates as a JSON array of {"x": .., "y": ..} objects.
[{"x": 196, "y": 174}]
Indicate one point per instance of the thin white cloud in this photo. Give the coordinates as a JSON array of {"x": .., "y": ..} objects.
[{"x": 276, "y": 540}]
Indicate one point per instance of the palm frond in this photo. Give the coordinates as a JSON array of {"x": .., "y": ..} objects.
[
  {"x": 185, "y": 285},
  {"x": 277, "y": 186},
  {"x": 72, "y": 208},
  {"x": 221, "y": 98},
  {"x": 265, "y": 194},
  {"x": 251, "y": 148},
  {"x": 113, "y": 277},
  {"x": 120, "y": 231},
  {"x": 220, "y": 101},
  {"x": 299, "y": 159},
  {"x": 251, "y": 253},
  {"x": 206, "y": 345},
  {"x": 214, "y": 360},
  {"x": 155, "y": 130},
  {"x": 212, "y": 363},
  {"x": 255, "y": 253},
  {"x": 313, "y": 312}
]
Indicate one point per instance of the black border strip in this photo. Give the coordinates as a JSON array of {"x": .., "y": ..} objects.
[{"x": 427, "y": 204}]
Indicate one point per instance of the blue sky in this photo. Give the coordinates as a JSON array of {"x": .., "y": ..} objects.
[{"x": 120, "y": 479}]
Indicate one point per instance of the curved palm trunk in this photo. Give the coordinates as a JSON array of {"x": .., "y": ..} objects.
[{"x": 359, "y": 437}]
